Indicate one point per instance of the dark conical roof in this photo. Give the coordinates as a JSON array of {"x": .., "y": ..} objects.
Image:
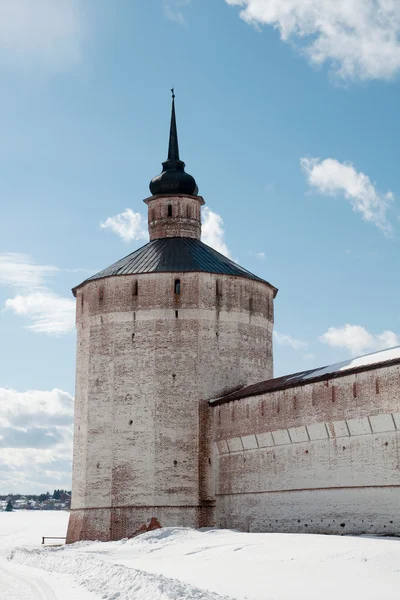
[
  {"x": 175, "y": 255},
  {"x": 173, "y": 179}
]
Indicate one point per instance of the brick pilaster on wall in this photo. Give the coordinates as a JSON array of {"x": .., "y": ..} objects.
[
  {"x": 174, "y": 216},
  {"x": 206, "y": 465}
]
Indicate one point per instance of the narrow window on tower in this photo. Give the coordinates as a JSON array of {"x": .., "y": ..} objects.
[
  {"x": 177, "y": 286},
  {"x": 170, "y": 210},
  {"x": 152, "y": 215},
  {"x": 135, "y": 288},
  {"x": 188, "y": 212}
]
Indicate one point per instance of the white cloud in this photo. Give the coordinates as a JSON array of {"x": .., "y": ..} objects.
[
  {"x": 36, "y": 429},
  {"x": 41, "y": 31},
  {"x": 174, "y": 15},
  {"x": 259, "y": 255},
  {"x": 48, "y": 312},
  {"x": 358, "y": 340},
  {"x": 360, "y": 39},
  {"x": 128, "y": 225},
  {"x": 35, "y": 408},
  {"x": 173, "y": 10},
  {"x": 284, "y": 339},
  {"x": 19, "y": 270},
  {"x": 213, "y": 232},
  {"x": 331, "y": 177},
  {"x": 270, "y": 187}
]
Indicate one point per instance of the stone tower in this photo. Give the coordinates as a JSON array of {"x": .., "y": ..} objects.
[{"x": 160, "y": 332}]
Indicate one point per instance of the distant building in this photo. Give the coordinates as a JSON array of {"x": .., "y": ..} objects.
[{"x": 178, "y": 421}]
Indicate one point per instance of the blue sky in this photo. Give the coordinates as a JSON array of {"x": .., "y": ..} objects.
[{"x": 288, "y": 119}]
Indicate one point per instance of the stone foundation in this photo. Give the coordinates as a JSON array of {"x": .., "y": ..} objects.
[{"x": 107, "y": 524}]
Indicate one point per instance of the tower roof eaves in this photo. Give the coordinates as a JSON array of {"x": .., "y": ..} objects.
[{"x": 175, "y": 255}]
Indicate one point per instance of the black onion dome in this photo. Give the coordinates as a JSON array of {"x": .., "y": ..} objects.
[{"x": 173, "y": 179}]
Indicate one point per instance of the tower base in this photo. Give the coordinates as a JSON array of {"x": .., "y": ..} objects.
[{"x": 116, "y": 523}]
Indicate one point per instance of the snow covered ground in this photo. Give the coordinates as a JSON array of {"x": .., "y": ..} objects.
[
  {"x": 20, "y": 582},
  {"x": 174, "y": 563}
]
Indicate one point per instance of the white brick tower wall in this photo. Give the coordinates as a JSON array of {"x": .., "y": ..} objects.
[
  {"x": 159, "y": 334},
  {"x": 147, "y": 359}
]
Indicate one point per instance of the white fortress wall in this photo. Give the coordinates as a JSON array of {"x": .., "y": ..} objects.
[{"x": 322, "y": 457}]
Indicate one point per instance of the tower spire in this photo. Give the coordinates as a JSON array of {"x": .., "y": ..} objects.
[
  {"x": 173, "y": 148},
  {"x": 173, "y": 179}
]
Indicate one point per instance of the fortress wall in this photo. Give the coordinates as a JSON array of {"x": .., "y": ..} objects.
[
  {"x": 148, "y": 358},
  {"x": 322, "y": 457}
]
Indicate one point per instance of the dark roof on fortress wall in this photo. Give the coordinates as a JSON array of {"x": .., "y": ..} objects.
[
  {"x": 175, "y": 255},
  {"x": 368, "y": 362}
]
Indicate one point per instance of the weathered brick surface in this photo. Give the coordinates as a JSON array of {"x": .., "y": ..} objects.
[
  {"x": 150, "y": 451},
  {"x": 174, "y": 216},
  {"x": 327, "y": 457},
  {"x": 147, "y": 361},
  {"x": 327, "y": 511}
]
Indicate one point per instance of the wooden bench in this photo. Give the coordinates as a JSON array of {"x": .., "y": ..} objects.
[{"x": 47, "y": 537}]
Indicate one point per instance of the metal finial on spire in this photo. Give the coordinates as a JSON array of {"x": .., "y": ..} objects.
[{"x": 173, "y": 148}]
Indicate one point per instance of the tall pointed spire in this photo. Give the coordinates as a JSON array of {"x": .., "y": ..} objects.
[
  {"x": 173, "y": 179},
  {"x": 173, "y": 148}
]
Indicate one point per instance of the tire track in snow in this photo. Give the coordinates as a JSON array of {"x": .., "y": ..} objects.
[
  {"x": 110, "y": 581},
  {"x": 15, "y": 586}
]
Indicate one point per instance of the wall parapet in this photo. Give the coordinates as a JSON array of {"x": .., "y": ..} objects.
[{"x": 383, "y": 423}]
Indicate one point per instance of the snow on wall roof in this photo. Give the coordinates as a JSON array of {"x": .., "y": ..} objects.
[{"x": 354, "y": 365}]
